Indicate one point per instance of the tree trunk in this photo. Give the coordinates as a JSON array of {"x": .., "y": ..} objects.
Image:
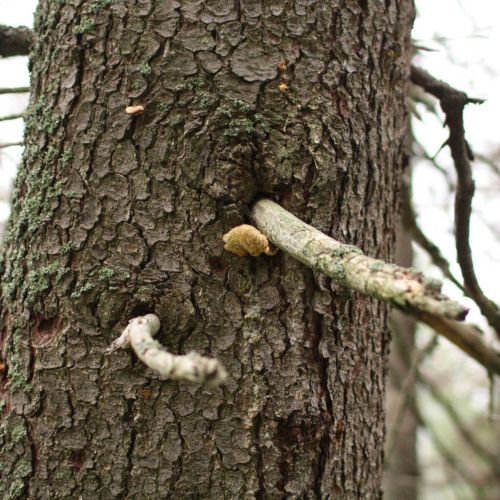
[{"x": 117, "y": 215}]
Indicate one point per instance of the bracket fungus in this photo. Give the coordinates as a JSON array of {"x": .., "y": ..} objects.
[
  {"x": 247, "y": 240},
  {"x": 134, "y": 110}
]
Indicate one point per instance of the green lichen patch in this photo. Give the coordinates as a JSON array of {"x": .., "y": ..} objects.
[
  {"x": 99, "y": 4},
  {"x": 204, "y": 99},
  {"x": 342, "y": 251},
  {"x": 40, "y": 280},
  {"x": 36, "y": 192},
  {"x": 81, "y": 289},
  {"x": 105, "y": 274},
  {"x": 240, "y": 127},
  {"x": 144, "y": 69},
  {"x": 40, "y": 115},
  {"x": 377, "y": 265},
  {"x": 238, "y": 120},
  {"x": 95, "y": 280},
  {"x": 85, "y": 26},
  {"x": 67, "y": 248},
  {"x": 17, "y": 364},
  {"x": 66, "y": 157}
]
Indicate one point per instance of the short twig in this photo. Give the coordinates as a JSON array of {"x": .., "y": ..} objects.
[
  {"x": 11, "y": 117},
  {"x": 15, "y": 90},
  {"x": 190, "y": 367}
]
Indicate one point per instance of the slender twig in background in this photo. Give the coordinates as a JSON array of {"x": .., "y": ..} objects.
[
  {"x": 11, "y": 117},
  {"x": 15, "y": 41},
  {"x": 11, "y": 144},
  {"x": 494, "y": 166},
  {"x": 404, "y": 395},
  {"x": 469, "y": 436},
  {"x": 421, "y": 153},
  {"x": 15, "y": 90},
  {"x": 466, "y": 337},
  {"x": 459, "y": 469},
  {"x": 418, "y": 236},
  {"x": 418, "y": 96},
  {"x": 452, "y": 103}
]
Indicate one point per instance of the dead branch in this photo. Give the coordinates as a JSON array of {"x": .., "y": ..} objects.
[
  {"x": 467, "y": 338},
  {"x": 404, "y": 288},
  {"x": 410, "y": 223},
  {"x": 452, "y": 103},
  {"x": 190, "y": 367},
  {"x": 15, "y": 90},
  {"x": 11, "y": 117}
]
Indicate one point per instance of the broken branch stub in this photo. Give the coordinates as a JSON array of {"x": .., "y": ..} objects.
[
  {"x": 189, "y": 367},
  {"x": 404, "y": 288}
]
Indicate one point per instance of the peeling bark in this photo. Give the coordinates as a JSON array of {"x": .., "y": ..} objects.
[{"x": 117, "y": 215}]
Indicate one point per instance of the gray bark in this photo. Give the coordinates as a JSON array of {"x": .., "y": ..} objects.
[{"x": 117, "y": 215}]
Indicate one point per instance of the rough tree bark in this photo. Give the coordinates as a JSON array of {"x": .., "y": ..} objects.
[{"x": 117, "y": 215}]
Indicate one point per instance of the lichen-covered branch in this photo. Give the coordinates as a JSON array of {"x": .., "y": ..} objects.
[
  {"x": 15, "y": 41},
  {"x": 190, "y": 367},
  {"x": 404, "y": 288}
]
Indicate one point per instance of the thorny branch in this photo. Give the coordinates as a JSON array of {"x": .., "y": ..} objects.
[
  {"x": 452, "y": 103},
  {"x": 15, "y": 41}
]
